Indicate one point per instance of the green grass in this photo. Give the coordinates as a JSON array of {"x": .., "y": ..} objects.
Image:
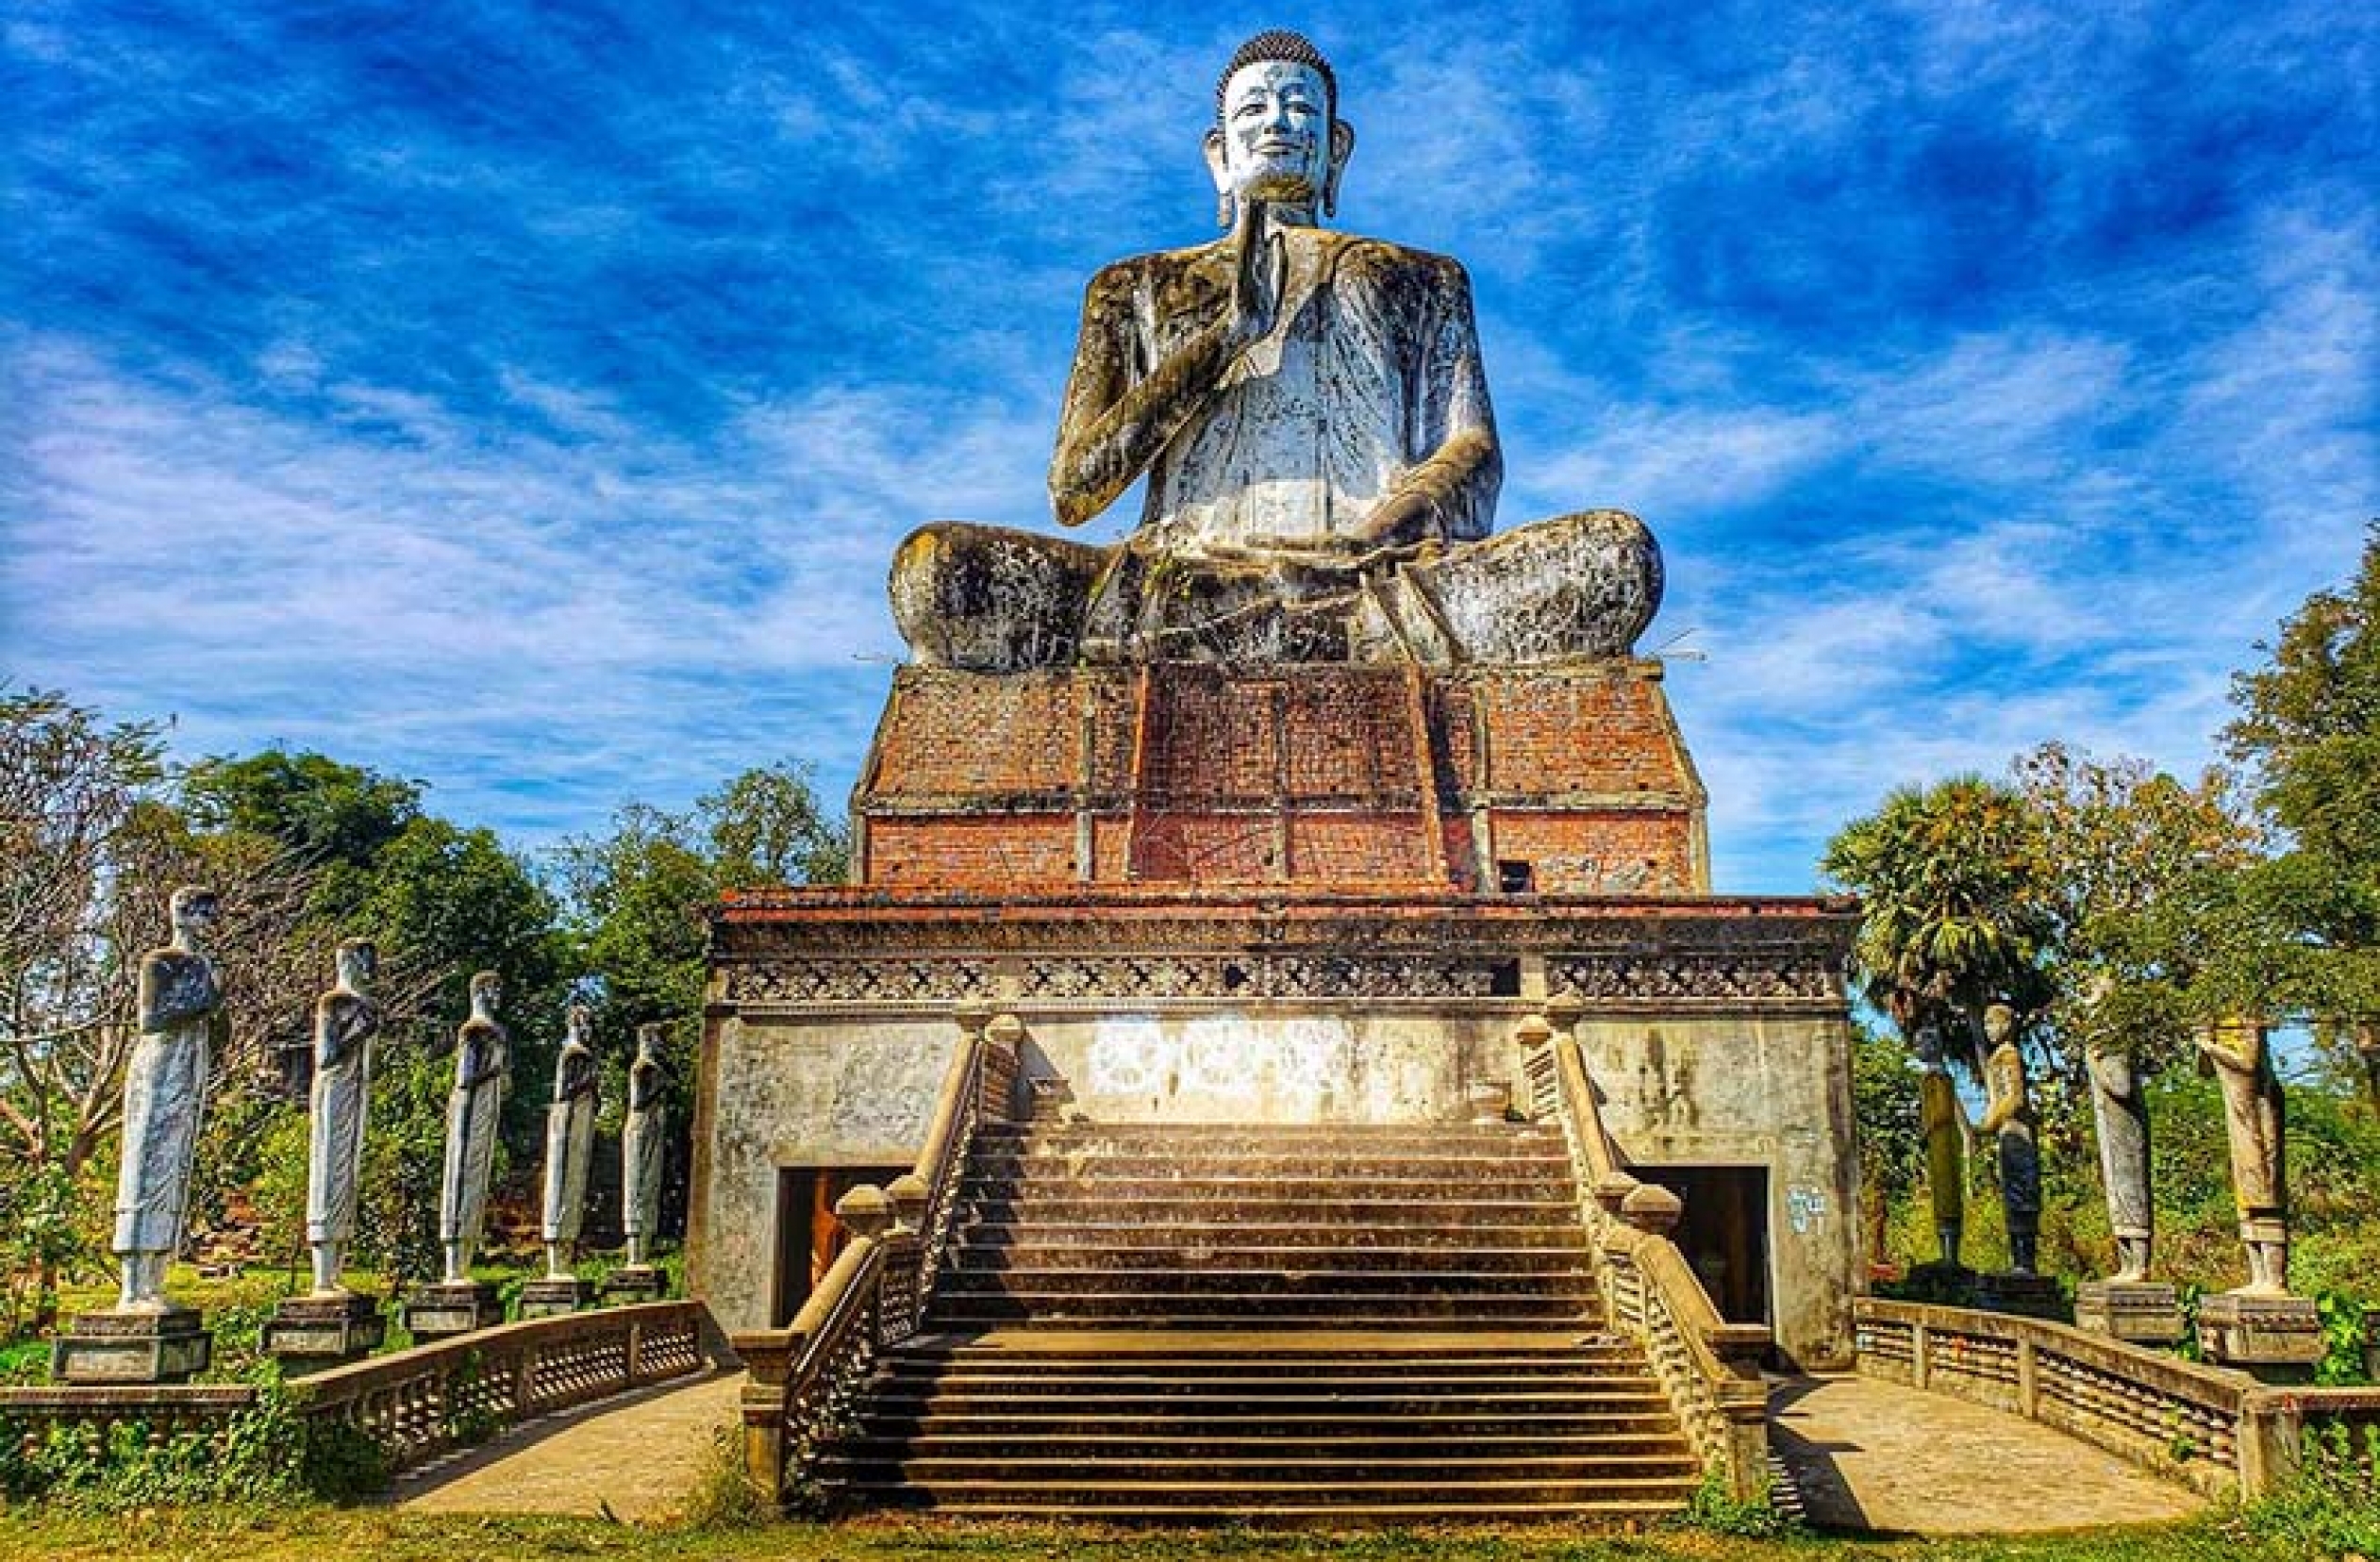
[{"x": 325, "y": 1535}]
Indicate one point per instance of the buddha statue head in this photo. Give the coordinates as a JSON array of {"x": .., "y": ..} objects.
[{"x": 1277, "y": 135}]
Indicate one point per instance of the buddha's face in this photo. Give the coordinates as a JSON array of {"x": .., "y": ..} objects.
[{"x": 1275, "y": 132}]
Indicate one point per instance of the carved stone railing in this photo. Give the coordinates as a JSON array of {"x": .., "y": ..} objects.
[
  {"x": 2220, "y": 1431},
  {"x": 418, "y": 1403},
  {"x": 1709, "y": 1367},
  {"x": 805, "y": 1380}
]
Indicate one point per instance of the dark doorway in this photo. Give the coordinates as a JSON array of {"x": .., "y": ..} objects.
[
  {"x": 1724, "y": 1233},
  {"x": 808, "y": 1235}
]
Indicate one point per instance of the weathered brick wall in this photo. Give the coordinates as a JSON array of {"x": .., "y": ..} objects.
[
  {"x": 1308, "y": 775},
  {"x": 1593, "y": 852},
  {"x": 971, "y": 851}
]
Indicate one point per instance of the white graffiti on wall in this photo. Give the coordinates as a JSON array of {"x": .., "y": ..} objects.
[
  {"x": 1294, "y": 1067},
  {"x": 1805, "y": 1209}
]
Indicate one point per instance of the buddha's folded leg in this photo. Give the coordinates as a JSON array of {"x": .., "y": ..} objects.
[
  {"x": 1575, "y": 586},
  {"x": 990, "y": 599}
]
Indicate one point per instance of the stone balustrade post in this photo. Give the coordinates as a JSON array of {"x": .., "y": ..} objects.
[
  {"x": 1920, "y": 1356},
  {"x": 2028, "y": 1379}
]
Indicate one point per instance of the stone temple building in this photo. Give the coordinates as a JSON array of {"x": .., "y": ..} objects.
[
  {"x": 1287, "y": 894},
  {"x": 1324, "y": 863}
]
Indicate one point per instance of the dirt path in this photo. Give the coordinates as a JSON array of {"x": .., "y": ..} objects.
[
  {"x": 1879, "y": 1456},
  {"x": 640, "y": 1455}
]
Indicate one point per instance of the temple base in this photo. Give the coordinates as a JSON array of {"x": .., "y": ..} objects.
[
  {"x": 2025, "y": 1295},
  {"x": 173, "y": 1346},
  {"x": 636, "y": 1283},
  {"x": 442, "y": 1310},
  {"x": 552, "y": 1297},
  {"x": 2276, "y": 1335},
  {"x": 2146, "y": 1312},
  {"x": 308, "y": 1332}
]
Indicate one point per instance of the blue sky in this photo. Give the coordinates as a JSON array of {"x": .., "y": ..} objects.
[{"x": 527, "y": 399}]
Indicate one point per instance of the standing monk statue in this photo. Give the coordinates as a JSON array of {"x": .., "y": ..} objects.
[
  {"x": 1309, "y": 413},
  {"x": 472, "y": 1108},
  {"x": 1945, "y": 1145},
  {"x": 2120, "y": 1112},
  {"x": 570, "y": 1142},
  {"x": 640, "y": 1149},
  {"x": 345, "y": 1020},
  {"x": 2256, "y": 1117},
  {"x": 2009, "y": 1116},
  {"x": 164, "y": 1096}
]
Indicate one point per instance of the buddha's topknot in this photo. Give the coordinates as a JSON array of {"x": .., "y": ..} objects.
[{"x": 1280, "y": 45}]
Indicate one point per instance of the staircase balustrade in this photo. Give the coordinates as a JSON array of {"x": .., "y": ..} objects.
[
  {"x": 804, "y": 1381},
  {"x": 419, "y": 1403},
  {"x": 2219, "y": 1432},
  {"x": 1709, "y": 1366}
]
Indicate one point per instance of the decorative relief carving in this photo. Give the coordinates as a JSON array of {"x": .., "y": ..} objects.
[
  {"x": 858, "y": 981},
  {"x": 1799, "y": 973},
  {"x": 1257, "y": 959}
]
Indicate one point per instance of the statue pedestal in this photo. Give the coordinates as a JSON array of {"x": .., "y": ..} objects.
[
  {"x": 440, "y": 1310},
  {"x": 2283, "y": 1333},
  {"x": 551, "y": 1297},
  {"x": 634, "y": 1284},
  {"x": 172, "y": 1346},
  {"x": 1947, "y": 1285},
  {"x": 323, "y": 1331},
  {"x": 2147, "y": 1312},
  {"x": 2027, "y": 1295}
]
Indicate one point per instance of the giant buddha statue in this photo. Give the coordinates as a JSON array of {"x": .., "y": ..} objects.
[{"x": 1308, "y": 410}]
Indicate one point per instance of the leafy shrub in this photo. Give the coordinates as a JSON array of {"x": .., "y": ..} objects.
[
  {"x": 2333, "y": 1508},
  {"x": 1717, "y": 1511}
]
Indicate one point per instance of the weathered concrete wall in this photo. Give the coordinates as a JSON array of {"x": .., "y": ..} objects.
[
  {"x": 1741, "y": 1090},
  {"x": 856, "y": 1089}
]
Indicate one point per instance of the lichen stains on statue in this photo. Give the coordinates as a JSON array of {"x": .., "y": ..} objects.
[{"x": 1310, "y": 414}]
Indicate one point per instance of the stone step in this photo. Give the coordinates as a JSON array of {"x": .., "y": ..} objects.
[
  {"x": 1223, "y": 1399},
  {"x": 1651, "y": 1424},
  {"x": 1176, "y": 1308},
  {"x": 1279, "y": 1467},
  {"x": 1525, "y": 1187},
  {"x": 1423, "y": 1494},
  {"x": 1017, "y": 1257},
  {"x": 1218, "y": 1448},
  {"x": 1532, "y": 1232},
  {"x": 1164, "y": 1207},
  {"x": 1372, "y": 1513},
  {"x": 957, "y": 1285},
  {"x": 1146, "y": 1361},
  {"x": 1003, "y": 1162},
  {"x": 1159, "y": 1138}
]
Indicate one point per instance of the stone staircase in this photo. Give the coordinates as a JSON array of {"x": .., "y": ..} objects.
[{"x": 1334, "y": 1323}]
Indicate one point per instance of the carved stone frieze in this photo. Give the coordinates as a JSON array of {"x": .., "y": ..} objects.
[
  {"x": 1805, "y": 974},
  {"x": 856, "y": 981}
]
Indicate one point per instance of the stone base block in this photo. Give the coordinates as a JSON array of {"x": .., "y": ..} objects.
[
  {"x": 551, "y": 1297},
  {"x": 1948, "y": 1284},
  {"x": 2028, "y": 1295},
  {"x": 321, "y": 1330},
  {"x": 133, "y": 1347},
  {"x": 637, "y": 1283},
  {"x": 2282, "y": 1333},
  {"x": 441, "y": 1311},
  {"x": 2147, "y": 1312}
]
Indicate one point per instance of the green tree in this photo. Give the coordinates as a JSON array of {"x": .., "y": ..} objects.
[
  {"x": 1884, "y": 1096},
  {"x": 2309, "y": 730},
  {"x": 92, "y": 840},
  {"x": 640, "y": 897},
  {"x": 2136, "y": 865},
  {"x": 1953, "y": 911}
]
